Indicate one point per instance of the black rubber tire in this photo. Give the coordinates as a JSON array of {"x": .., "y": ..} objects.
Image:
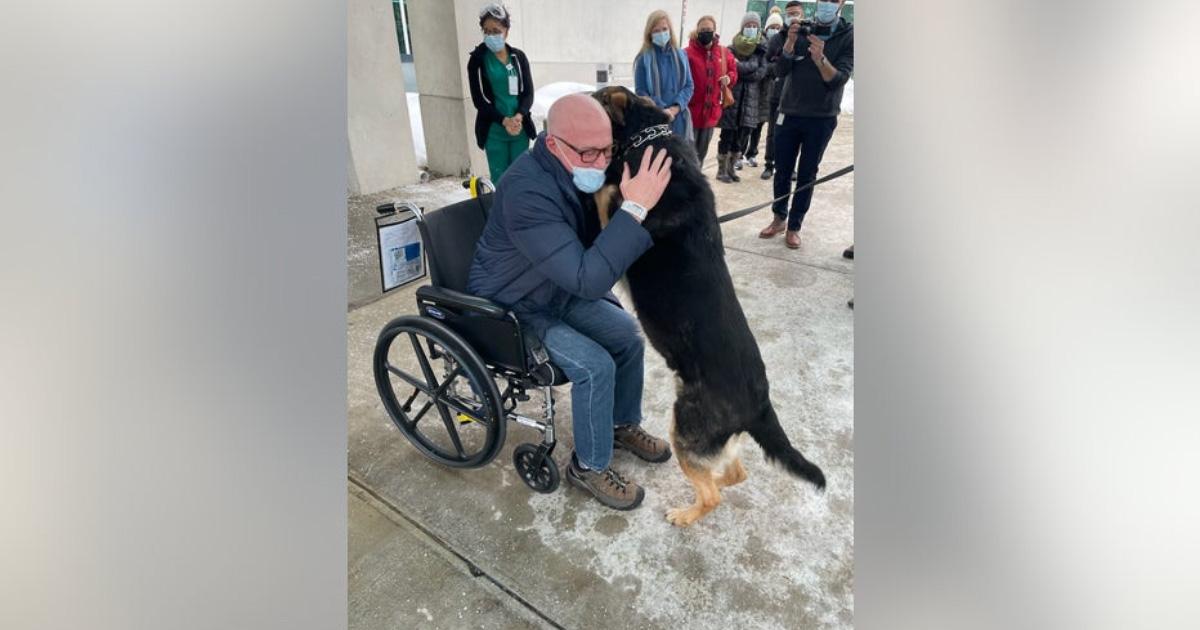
[
  {"x": 539, "y": 472},
  {"x": 421, "y": 331}
]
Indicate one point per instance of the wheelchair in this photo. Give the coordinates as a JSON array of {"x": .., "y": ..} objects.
[{"x": 456, "y": 349}]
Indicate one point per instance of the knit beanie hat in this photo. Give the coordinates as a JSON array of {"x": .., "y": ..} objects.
[
  {"x": 751, "y": 16},
  {"x": 774, "y": 20}
]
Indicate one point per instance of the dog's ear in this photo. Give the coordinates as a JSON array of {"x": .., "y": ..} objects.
[{"x": 615, "y": 101}]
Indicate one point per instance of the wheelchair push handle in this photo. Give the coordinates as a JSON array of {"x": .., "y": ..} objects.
[
  {"x": 479, "y": 186},
  {"x": 391, "y": 207}
]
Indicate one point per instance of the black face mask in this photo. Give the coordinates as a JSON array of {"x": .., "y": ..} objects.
[{"x": 705, "y": 37}]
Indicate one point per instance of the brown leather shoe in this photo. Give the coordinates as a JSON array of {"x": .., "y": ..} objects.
[
  {"x": 792, "y": 240},
  {"x": 608, "y": 486},
  {"x": 634, "y": 439},
  {"x": 777, "y": 227}
]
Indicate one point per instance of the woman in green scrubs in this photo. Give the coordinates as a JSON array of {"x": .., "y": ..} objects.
[{"x": 502, "y": 91}]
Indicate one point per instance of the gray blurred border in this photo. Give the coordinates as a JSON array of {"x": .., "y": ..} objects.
[
  {"x": 172, "y": 266},
  {"x": 1027, "y": 354}
]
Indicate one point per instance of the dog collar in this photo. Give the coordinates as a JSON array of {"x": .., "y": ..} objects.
[{"x": 648, "y": 134}]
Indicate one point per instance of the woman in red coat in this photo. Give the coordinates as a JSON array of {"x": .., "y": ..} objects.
[{"x": 704, "y": 56}]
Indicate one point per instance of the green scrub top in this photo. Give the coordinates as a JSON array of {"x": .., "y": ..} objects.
[{"x": 497, "y": 75}]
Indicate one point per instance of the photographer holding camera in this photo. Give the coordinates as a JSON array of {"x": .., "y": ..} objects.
[{"x": 814, "y": 59}]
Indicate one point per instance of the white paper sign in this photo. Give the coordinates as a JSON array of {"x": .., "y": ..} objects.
[{"x": 401, "y": 258}]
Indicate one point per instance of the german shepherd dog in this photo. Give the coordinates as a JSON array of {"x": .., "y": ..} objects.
[{"x": 685, "y": 301}]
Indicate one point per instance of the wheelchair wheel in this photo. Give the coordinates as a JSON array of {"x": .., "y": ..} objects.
[
  {"x": 459, "y": 418},
  {"x": 537, "y": 470}
]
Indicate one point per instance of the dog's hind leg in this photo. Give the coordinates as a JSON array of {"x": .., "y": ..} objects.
[
  {"x": 690, "y": 409},
  {"x": 708, "y": 496},
  {"x": 735, "y": 473}
]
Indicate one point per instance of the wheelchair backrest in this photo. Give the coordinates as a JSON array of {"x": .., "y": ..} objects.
[{"x": 450, "y": 234}]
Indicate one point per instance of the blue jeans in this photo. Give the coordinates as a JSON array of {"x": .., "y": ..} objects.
[{"x": 599, "y": 347}]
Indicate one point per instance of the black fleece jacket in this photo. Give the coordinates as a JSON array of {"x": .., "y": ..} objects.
[
  {"x": 484, "y": 100},
  {"x": 804, "y": 92}
]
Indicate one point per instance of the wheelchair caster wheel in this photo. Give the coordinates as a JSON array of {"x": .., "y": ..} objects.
[{"x": 537, "y": 470}]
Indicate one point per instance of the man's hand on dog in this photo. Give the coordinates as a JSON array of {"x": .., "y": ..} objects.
[{"x": 646, "y": 188}]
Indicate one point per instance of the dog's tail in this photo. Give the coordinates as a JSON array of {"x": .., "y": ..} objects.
[{"x": 774, "y": 442}]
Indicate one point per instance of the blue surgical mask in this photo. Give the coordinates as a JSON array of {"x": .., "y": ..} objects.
[
  {"x": 771, "y": 32},
  {"x": 587, "y": 179},
  {"x": 826, "y": 12},
  {"x": 494, "y": 42},
  {"x": 661, "y": 38},
  {"x": 750, "y": 32}
]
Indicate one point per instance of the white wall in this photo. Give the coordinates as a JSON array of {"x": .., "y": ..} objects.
[
  {"x": 564, "y": 40},
  {"x": 381, "y": 146}
]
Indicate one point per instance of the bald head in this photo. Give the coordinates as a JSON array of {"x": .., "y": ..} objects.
[{"x": 581, "y": 121}]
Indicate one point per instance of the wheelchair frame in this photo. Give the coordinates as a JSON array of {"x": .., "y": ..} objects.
[{"x": 481, "y": 341}]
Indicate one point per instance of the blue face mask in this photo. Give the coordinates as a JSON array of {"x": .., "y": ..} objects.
[
  {"x": 750, "y": 32},
  {"x": 493, "y": 42},
  {"x": 661, "y": 38},
  {"x": 587, "y": 179},
  {"x": 826, "y": 12}
]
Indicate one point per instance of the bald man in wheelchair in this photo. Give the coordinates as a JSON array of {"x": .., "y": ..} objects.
[{"x": 546, "y": 259}]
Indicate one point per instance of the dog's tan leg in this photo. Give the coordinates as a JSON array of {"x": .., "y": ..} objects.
[
  {"x": 604, "y": 198},
  {"x": 708, "y": 496},
  {"x": 735, "y": 473}
]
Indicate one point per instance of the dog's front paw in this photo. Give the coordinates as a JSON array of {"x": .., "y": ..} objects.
[{"x": 682, "y": 517}]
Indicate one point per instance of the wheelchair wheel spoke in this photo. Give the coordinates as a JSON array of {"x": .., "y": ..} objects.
[
  {"x": 424, "y": 361},
  {"x": 408, "y": 379},
  {"x": 446, "y": 420},
  {"x": 428, "y": 404}
]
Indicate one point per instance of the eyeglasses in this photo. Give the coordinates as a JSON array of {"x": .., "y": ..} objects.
[
  {"x": 494, "y": 10},
  {"x": 588, "y": 156}
]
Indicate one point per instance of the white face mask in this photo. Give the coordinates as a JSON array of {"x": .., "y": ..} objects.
[{"x": 771, "y": 31}]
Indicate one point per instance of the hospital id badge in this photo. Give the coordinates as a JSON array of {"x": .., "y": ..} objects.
[
  {"x": 779, "y": 119},
  {"x": 512, "y": 85}
]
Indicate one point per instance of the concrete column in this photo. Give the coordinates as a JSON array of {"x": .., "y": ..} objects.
[
  {"x": 443, "y": 33},
  {"x": 380, "y": 138}
]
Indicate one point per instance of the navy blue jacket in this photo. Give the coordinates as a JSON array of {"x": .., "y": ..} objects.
[{"x": 532, "y": 255}]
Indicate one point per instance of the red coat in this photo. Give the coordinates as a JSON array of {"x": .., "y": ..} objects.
[{"x": 705, "y": 64}]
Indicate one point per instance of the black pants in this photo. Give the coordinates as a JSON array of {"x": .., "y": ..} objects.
[
  {"x": 771, "y": 134},
  {"x": 703, "y": 137},
  {"x": 807, "y": 137},
  {"x": 732, "y": 140},
  {"x": 750, "y": 148}
]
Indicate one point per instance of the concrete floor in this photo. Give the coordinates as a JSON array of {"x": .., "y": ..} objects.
[{"x": 438, "y": 547}]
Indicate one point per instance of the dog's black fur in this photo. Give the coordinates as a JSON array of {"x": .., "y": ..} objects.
[{"x": 686, "y": 303}]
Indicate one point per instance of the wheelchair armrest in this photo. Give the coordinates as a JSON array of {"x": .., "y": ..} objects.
[{"x": 455, "y": 299}]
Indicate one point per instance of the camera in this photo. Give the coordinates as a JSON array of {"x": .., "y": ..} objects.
[{"x": 809, "y": 27}]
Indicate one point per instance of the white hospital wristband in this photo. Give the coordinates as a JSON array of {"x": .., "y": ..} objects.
[{"x": 635, "y": 209}]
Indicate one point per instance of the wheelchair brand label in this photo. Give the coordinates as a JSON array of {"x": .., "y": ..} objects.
[{"x": 435, "y": 313}]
